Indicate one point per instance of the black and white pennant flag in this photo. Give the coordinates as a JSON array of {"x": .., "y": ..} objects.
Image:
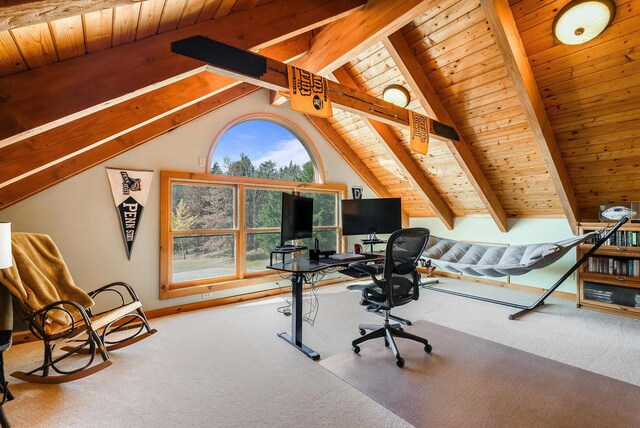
[{"x": 130, "y": 189}]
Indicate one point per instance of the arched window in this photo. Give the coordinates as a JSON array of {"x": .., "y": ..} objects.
[{"x": 264, "y": 148}]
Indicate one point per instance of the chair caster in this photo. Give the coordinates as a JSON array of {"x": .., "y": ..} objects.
[
  {"x": 386, "y": 343},
  {"x": 356, "y": 349},
  {"x": 400, "y": 362},
  {"x": 363, "y": 332},
  {"x": 428, "y": 348}
]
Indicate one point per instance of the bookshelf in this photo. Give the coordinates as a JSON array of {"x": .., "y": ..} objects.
[{"x": 610, "y": 280}]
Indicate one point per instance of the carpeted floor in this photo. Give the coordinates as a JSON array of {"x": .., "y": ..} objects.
[
  {"x": 472, "y": 382},
  {"x": 226, "y": 366}
]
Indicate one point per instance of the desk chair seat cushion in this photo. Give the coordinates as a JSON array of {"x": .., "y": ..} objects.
[
  {"x": 39, "y": 277},
  {"x": 403, "y": 292}
]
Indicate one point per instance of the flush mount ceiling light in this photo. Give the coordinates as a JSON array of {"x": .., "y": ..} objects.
[
  {"x": 582, "y": 20},
  {"x": 397, "y": 95}
]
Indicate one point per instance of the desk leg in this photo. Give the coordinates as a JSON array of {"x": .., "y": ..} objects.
[{"x": 295, "y": 338}]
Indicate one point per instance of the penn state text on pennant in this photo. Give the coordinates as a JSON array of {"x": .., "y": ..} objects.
[{"x": 130, "y": 189}]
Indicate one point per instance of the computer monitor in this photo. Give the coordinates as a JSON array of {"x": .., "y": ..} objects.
[
  {"x": 297, "y": 218},
  {"x": 371, "y": 216}
]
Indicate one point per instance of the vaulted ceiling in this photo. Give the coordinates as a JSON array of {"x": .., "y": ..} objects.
[{"x": 546, "y": 129}]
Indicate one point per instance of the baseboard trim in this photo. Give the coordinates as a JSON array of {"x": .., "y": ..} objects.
[{"x": 503, "y": 284}]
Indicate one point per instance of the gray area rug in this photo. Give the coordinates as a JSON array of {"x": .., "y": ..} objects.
[{"x": 469, "y": 381}]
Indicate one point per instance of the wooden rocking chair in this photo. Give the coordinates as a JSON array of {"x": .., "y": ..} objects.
[{"x": 60, "y": 314}]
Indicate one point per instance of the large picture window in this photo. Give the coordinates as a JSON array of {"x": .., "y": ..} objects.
[
  {"x": 218, "y": 232},
  {"x": 218, "y": 228}
]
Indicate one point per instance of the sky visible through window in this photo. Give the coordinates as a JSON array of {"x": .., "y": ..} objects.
[{"x": 262, "y": 141}]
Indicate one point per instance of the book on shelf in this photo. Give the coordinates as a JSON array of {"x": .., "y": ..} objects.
[
  {"x": 613, "y": 266},
  {"x": 622, "y": 238}
]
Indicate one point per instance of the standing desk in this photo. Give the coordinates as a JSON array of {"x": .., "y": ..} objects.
[{"x": 299, "y": 267}]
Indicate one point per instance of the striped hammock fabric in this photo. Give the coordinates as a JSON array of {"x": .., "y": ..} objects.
[{"x": 491, "y": 260}]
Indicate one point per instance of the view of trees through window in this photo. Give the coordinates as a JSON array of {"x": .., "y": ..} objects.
[
  {"x": 203, "y": 208},
  {"x": 262, "y": 149},
  {"x": 206, "y": 229}
]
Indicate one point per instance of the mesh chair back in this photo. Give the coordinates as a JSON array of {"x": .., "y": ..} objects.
[{"x": 401, "y": 278}]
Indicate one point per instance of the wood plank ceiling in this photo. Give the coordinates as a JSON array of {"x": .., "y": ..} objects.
[
  {"x": 591, "y": 94},
  {"x": 44, "y": 43}
]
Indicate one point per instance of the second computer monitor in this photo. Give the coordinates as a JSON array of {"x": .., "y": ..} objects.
[{"x": 371, "y": 216}]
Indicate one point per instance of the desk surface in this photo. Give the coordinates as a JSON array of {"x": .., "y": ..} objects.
[
  {"x": 299, "y": 265},
  {"x": 305, "y": 265}
]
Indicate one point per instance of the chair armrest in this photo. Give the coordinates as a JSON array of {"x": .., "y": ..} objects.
[
  {"x": 112, "y": 287},
  {"x": 115, "y": 287},
  {"x": 39, "y": 330},
  {"x": 361, "y": 267},
  {"x": 368, "y": 269}
]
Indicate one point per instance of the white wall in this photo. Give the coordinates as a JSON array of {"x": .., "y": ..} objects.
[
  {"x": 520, "y": 231},
  {"x": 80, "y": 216}
]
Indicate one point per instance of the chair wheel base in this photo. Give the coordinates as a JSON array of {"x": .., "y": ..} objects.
[
  {"x": 428, "y": 349},
  {"x": 356, "y": 349},
  {"x": 400, "y": 362}
]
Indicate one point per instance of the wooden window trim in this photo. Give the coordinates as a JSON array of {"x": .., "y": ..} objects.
[{"x": 170, "y": 290}]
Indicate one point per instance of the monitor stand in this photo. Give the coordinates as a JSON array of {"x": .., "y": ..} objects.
[
  {"x": 372, "y": 240},
  {"x": 283, "y": 247}
]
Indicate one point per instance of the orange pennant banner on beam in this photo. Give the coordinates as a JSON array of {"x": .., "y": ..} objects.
[
  {"x": 419, "y": 125},
  {"x": 309, "y": 93}
]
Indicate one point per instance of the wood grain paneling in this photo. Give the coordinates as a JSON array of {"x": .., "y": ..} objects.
[
  {"x": 35, "y": 43},
  {"x": 171, "y": 15},
  {"x": 68, "y": 36},
  {"x": 590, "y": 93},
  {"x": 149, "y": 19},
  {"x": 127, "y": 68},
  {"x": 125, "y": 24},
  {"x": 98, "y": 27},
  {"x": 458, "y": 53},
  {"x": 209, "y": 9},
  {"x": 11, "y": 60},
  {"x": 190, "y": 13}
]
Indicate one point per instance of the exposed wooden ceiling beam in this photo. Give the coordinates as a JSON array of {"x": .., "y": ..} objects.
[
  {"x": 403, "y": 158},
  {"x": 346, "y": 152},
  {"x": 405, "y": 60},
  {"x": 272, "y": 74},
  {"x": 67, "y": 168},
  {"x": 41, "y": 160},
  {"x": 67, "y": 87},
  {"x": 340, "y": 41},
  {"x": 505, "y": 31},
  {"x": 20, "y": 13}
]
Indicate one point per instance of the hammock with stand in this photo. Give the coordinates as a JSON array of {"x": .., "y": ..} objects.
[{"x": 489, "y": 260}]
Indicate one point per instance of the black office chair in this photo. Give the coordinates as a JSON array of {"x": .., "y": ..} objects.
[{"x": 399, "y": 285}]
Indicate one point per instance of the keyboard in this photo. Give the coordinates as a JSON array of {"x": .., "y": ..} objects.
[{"x": 347, "y": 256}]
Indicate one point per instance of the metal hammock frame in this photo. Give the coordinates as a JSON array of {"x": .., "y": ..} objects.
[{"x": 524, "y": 309}]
